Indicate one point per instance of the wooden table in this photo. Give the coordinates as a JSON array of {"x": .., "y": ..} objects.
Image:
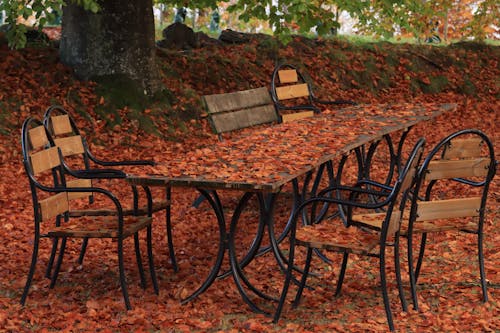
[{"x": 262, "y": 162}]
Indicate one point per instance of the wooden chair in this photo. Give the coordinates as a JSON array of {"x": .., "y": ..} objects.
[
  {"x": 67, "y": 136},
  {"x": 451, "y": 194},
  {"x": 323, "y": 232},
  {"x": 53, "y": 196},
  {"x": 292, "y": 93}
]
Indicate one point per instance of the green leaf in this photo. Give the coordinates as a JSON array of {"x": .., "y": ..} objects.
[{"x": 94, "y": 7}]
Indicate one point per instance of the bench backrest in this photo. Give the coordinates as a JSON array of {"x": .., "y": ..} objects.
[{"x": 232, "y": 111}]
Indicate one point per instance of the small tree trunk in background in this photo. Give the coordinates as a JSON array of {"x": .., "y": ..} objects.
[
  {"x": 193, "y": 19},
  {"x": 118, "y": 40},
  {"x": 335, "y": 31},
  {"x": 445, "y": 28}
]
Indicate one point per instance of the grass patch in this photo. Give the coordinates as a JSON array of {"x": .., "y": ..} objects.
[
  {"x": 433, "y": 85},
  {"x": 438, "y": 84},
  {"x": 146, "y": 123},
  {"x": 337, "y": 56},
  {"x": 119, "y": 92},
  {"x": 468, "y": 87}
]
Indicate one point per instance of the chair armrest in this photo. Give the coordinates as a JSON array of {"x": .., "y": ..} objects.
[
  {"x": 352, "y": 192},
  {"x": 374, "y": 183},
  {"x": 120, "y": 163},
  {"x": 98, "y": 173},
  {"x": 337, "y": 101},
  {"x": 356, "y": 190},
  {"x": 297, "y": 107},
  {"x": 114, "y": 199},
  {"x": 92, "y": 173}
]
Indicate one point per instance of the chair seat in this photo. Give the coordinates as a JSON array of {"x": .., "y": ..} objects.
[
  {"x": 335, "y": 237},
  {"x": 157, "y": 206},
  {"x": 370, "y": 220},
  {"x": 100, "y": 227}
]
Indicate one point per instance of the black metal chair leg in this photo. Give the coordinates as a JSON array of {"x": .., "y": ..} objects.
[
  {"x": 481, "y": 267},
  {"x": 411, "y": 272},
  {"x": 304, "y": 277},
  {"x": 385, "y": 295},
  {"x": 55, "y": 274},
  {"x": 50, "y": 264},
  {"x": 340, "y": 280},
  {"x": 83, "y": 250},
  {"x": 31, "y": 271},
  {"x": 397, "y": 267},
  {"x": 121, "y": 268},
  {"x": 420, "y": 256},
  {"x": 139, "y": 260},
  {"x": 152, "y": 270}
]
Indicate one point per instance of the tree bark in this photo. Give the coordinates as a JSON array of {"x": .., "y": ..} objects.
[{"x": 118, "y": 40}]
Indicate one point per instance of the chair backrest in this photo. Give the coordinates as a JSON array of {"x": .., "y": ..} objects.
[
  {"x": 64, "y": 132},
  {"x": 290, "y": 91},
  {"x": 407, "y": 178},
  {"x": 236, "y": 110},
  {"x": 454, "y": 178},
  {"x": 42, "y": 162}
]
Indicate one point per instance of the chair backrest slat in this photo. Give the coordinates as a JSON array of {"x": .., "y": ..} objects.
[
  {"x": 71, "y": 145},
  {"x": 38, "y": 137},
  {"x": 296, "y": 116},
  {"x": 79, "y": 183},
  {"x": 60, "y": 125},
  {"x": 53, "y": 205},
  {"x": 45, "y": 160},
  {"x": 292, "y": 91},
  {"x": 463, "y": 148},
  {"x": 447, "y": 169},
  {"x": 450, "y": 208},
  {"x": 288, "y": 76}
]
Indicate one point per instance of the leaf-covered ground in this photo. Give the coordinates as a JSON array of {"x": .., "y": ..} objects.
[{"x": 87, "y": 298}]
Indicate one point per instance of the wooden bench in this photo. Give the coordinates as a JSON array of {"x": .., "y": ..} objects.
[
  {"x": 241, "y": 109},
  {"x": 293, "y": 96}
]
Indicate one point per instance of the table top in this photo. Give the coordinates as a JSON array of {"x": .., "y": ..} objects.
[{"x": 272, "y": 156}]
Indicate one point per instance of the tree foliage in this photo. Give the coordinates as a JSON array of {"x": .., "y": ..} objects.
[
  {"x": 466, "y": 18},
  {"x": 43, "y": 11}
]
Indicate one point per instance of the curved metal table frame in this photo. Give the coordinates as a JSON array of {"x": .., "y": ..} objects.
[{"x": 267, "y": 193}]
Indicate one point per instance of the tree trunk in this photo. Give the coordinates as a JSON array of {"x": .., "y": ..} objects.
[{"x": 118, "y": 40}]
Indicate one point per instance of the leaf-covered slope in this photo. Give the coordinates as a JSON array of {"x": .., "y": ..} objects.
[{"x": 86, "y": 298}]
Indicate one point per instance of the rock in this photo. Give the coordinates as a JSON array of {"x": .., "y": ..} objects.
[
  {"x": 179, "y": 36},
  {"x": 206, "y": 40},
  {"x": 233, "y": 37}
]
